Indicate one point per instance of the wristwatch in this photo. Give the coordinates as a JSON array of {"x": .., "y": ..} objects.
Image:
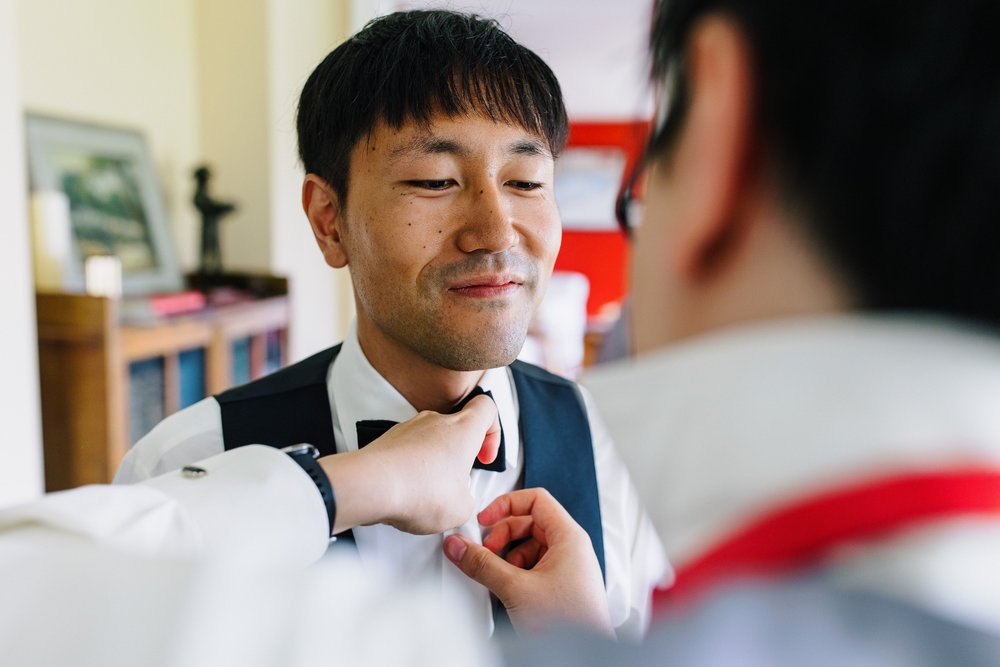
[{"x": 305, "y": 455}]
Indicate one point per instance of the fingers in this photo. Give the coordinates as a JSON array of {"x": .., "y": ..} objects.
[
  {"x": 506, "y": 531},
  {"x": 515, "y": 503},
  {"x": 526, "y": 555},
  {"x": 536, "y": 503},
  {"x": 530, "y": 513},
  {"x": 511, "y": 529},
  {"x": 482, "y": 565},
  {"x": 482, "y": 412}
]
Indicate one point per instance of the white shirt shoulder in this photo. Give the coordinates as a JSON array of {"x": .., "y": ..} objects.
[{"x": 190, "y": 435}]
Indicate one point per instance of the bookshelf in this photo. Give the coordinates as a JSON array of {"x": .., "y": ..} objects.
[{"x": 107, "y": 379}]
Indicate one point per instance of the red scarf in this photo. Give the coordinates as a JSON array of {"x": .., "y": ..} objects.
[{"x": 800, "y": 534}]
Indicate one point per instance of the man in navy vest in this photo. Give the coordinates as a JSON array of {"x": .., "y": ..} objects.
[
  {"x": 428, "y": 141},
  {"x": 814, "y": 422}
]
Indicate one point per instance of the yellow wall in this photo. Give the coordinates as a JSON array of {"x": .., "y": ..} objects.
[
  {"x": 233, "y": 123},
  {"x": 122, "y": 63},
  {"x": 253, "y": 57},
  {"x": 301, "y": 34}
]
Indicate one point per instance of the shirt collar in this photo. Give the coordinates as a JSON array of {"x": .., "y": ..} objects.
[{"x": 359, "y": 392}]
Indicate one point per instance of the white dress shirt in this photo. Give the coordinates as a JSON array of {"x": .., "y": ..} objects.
[
  {"x": 740, "y": 422},
  {"x": 634, "y": 558}
]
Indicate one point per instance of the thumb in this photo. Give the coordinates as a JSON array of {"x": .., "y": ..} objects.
[{"x": 482, "y": 565}]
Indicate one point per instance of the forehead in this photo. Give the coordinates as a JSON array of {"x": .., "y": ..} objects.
[{"x": 466, "y": 136}]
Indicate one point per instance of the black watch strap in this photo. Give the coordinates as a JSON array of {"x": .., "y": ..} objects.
[{"x": 305, "y": 455}]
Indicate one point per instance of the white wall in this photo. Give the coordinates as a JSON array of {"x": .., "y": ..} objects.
[
  {"x": 21, "y": 445},
  {"x": 597, "y": 48}
]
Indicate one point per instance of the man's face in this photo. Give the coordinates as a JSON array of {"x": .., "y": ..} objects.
[{"x": 451, "y": 231}]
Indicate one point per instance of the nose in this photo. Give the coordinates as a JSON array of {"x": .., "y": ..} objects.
[{"x": 490, "y": 223}]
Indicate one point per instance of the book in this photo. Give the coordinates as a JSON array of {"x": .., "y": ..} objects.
[
  {"x": 191, "y": 368},
  {"x": 146, "y": 396},
  {"x": 155, "y": 307},
  {"x": 241, "y": 361}
]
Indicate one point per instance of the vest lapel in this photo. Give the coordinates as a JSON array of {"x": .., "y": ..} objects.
[
  {"x": 558, "y": 450},
  {"x": 288, "y": 407}
]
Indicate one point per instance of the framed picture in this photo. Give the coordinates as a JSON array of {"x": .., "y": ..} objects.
[
  {"x": 587, "y": 181},
  {"x": 115, "y": 206}
]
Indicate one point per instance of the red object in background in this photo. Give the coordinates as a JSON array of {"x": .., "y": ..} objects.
[
  {"x": 177, "y": 303},
  {"x": 602, "y": 255},
  {"x": 603, "y": 258}
]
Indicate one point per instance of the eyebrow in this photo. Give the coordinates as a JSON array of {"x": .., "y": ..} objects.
[
  {"x": 530, "y": 147},
  {"x": 441, "y": 146},
  {"x": 430, "y": 146}
]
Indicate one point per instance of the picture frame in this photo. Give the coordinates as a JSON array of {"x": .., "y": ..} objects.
[
  {"x": 114, "y": 200},
  {"x": 587, "y": 182}
]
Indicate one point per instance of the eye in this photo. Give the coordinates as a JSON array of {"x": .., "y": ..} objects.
[
  {"x": 436, "y": 185},
  {"x": 526, "y": 186}
]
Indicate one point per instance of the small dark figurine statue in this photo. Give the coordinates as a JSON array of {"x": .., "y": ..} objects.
[{"x": 211, "y": 212}]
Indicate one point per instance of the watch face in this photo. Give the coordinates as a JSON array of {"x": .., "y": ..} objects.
[{"x": 302, "y": 449}]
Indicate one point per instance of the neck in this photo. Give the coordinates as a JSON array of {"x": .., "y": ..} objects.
[
  {"x": 425, "y": 385},
  {"x": 775, "y": 273}
]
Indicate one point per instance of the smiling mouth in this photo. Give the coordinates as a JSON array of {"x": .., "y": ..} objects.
[{"x": 487, "y": 287}]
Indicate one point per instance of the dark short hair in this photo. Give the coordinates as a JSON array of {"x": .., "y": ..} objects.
[
  {"x": 883, "y": 119},
  {"x": 407, "y": 66}
]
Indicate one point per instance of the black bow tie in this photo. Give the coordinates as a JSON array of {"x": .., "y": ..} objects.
[{"x": 369, "y": 429}]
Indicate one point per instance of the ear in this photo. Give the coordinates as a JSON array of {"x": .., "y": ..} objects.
[
  {"x": 322, "y": 207},
  {"x": 712, "y": 160}
]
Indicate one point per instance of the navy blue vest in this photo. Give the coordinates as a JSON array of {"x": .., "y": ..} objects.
[{"x": 291, "y": 406}]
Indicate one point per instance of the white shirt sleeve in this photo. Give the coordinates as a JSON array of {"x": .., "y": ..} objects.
[
  {"x": 208, "y": 570},
  {"x": 635, "y": 561},
  {"x": 193, "y": 434},
  {"x": 255, "y": 502}
]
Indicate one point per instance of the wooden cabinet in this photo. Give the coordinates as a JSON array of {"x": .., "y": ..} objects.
[{"x": 104, "y": 382}]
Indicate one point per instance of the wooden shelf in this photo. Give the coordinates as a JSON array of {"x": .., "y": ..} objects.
[{"x": 86, "y": 356}]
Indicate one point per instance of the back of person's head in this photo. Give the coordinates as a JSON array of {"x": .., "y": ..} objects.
[
  {"x": 883, "y": 122},
  {"x": 407, "y": 67}
]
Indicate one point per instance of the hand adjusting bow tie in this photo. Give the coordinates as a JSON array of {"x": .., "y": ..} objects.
[{"x": 369, "y": 429}]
